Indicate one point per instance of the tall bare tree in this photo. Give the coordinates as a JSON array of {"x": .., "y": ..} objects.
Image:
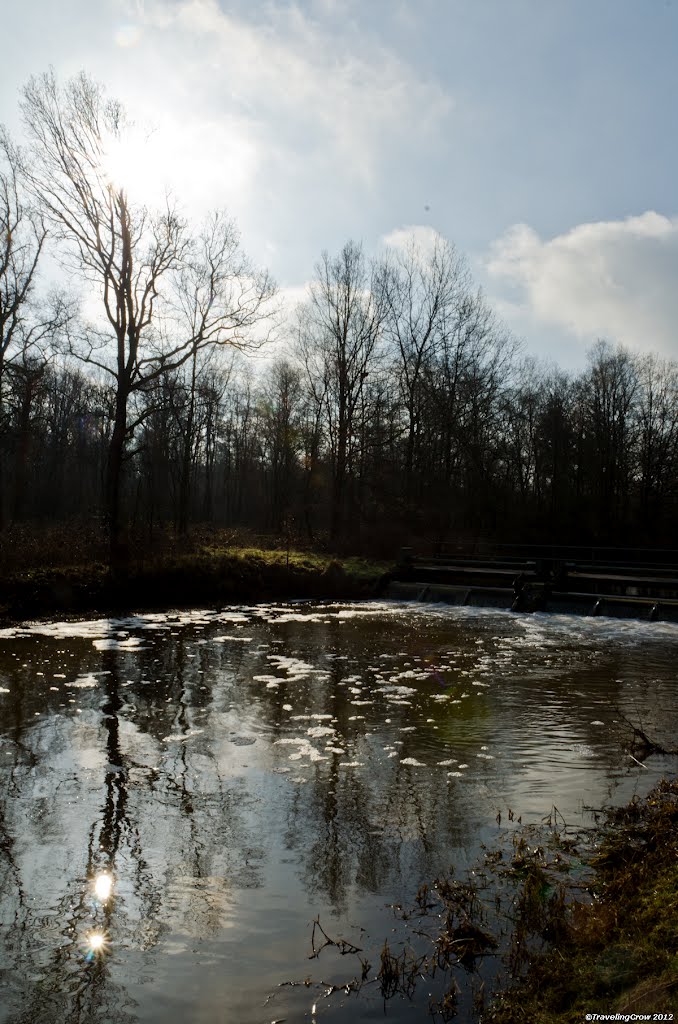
[
  {"x": 165, "y": 294},
  {"x": 424, "y": 292},
  {"x": 339, "y": 328}
]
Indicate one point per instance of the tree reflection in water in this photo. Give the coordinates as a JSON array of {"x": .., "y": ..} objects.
[
  {"x": 148, "y": 796},
  {"x": 62, "y": 953}
]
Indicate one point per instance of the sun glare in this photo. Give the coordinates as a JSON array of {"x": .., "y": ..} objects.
[
  {"x": 120, "y": 162},
  {"x": 95, "y": 945},
  {"x": 103, "y": 885}
]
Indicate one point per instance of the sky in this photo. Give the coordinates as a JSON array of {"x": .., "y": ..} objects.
[{"x": 539, "y": 136}]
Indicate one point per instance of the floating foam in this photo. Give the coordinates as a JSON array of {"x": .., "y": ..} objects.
[
  {"x": 132, "y": 643},
  {"x": 85, "y": 682},
  {"x": 181, "y": 737}
]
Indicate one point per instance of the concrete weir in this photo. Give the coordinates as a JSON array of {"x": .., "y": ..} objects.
[{"x": 644, "y": 585}]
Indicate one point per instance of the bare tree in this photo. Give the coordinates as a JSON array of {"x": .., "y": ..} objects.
[
  {"x": 280, "y": 414},
  {"x": 24, "y": 322},
  {"x": 339, "y": 327},
  {"x": 657, "y": 423},
  {"x": 424, "y": 292},
  {"x": 165, "y": 295}
]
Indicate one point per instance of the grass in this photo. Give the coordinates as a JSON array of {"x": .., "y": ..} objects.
[
  {"x": 617, "y": 953},
  {"x": 50, "y": 571}
]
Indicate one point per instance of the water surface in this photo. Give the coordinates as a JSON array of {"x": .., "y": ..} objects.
[{"x": 181, "y": 794}]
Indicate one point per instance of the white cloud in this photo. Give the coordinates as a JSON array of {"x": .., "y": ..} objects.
[
  {"x": 613, "y": 279},
  {"x": 423, "y": 237},
  {"x": 296, "y": 94},
  {"x": 303, "y": 120}
]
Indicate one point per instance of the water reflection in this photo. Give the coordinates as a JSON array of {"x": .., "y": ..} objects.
[
  {"x": 103, "y": 886},
  {"x": 182, "y": 794}
]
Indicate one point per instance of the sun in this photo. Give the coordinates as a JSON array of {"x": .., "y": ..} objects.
[{"x": 120, "y": 162}]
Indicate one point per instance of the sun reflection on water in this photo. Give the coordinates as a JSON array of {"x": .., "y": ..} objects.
[
  {"x": 103, "y": 886},
  {"x": 96, "y": 945}
]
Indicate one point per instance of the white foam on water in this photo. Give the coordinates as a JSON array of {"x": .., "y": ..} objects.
[
  {"x": 237, "y": 639},
  {"x": 298, "y": 617},
  {"x": 295, "y": 668},
  {"x": 309, "y": 717},
  {"x": 305, "y": 749},
  {"x": 413, "y": 761},
  {"x": 85, "y": 682},
  {"x": 133, "y": 643},
  {"x": 316, "y": 731},
  {"x": 181, "y": 737},
  {"x": 229, "y": 617}
]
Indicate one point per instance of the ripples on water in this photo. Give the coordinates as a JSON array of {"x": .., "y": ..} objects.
[{"x": 182, "y": 793}]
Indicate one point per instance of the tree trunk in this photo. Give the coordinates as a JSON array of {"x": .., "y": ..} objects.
[{"x": 116, "y": 449}]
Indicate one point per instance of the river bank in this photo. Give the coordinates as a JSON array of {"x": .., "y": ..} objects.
[
  {"x": 615, "y": 949},
  {"x": 574, "y": 924},
  {"x": 195, "y": 578}
]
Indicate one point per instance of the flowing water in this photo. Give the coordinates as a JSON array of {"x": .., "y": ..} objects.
[{"x": 181, "y": 794}]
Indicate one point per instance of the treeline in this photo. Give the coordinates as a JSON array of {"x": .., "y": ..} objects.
[
  {"x": 489, "y": 445},
  {"x": 394, "y": 407}
]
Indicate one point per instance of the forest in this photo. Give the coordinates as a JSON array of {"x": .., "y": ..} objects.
[{"x": 390, "y": 407}]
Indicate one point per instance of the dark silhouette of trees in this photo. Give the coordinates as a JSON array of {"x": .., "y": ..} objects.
[{"x": 340, "y": 327}]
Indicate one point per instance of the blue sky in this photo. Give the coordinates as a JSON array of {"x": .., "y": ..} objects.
[{"x": 537, "y": 135}]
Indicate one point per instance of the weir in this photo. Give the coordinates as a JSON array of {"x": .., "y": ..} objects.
[{"x": 622, "y": 583}]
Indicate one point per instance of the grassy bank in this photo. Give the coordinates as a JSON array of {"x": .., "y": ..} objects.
[
  {"x": 48, "y": 576},
  {"x": 616, "y": 952}
]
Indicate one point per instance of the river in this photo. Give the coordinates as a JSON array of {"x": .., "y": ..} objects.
[{"x": 183, "y": 793}]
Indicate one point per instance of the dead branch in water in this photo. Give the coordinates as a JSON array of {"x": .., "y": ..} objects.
[{"x": 642, "y": 745}]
